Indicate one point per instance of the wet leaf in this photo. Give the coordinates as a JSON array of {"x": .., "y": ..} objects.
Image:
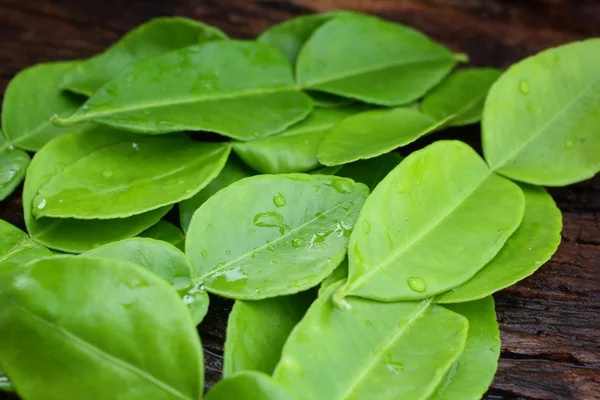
[
  {"x": 17, "y": 249},
  {"x": 13, "y": 165}
]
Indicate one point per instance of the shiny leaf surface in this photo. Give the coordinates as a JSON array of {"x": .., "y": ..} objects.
[
  {"x": 17, "y": 249},
  {"x": 13, "y": 165}
]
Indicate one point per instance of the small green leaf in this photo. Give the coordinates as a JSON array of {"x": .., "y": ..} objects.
[
  {"x": 121, "y": 330},
  {"x": 244, "y": 90},
  {"x": 75, "y": 235},
  {"x": 13, "y": 165},
  {"x": 373, "y": 133},
  {"x": 233, "y": 171},
  {"x": 372, "y": 350},
  {"x": 128, "y": 176},
  {"x": 372, "y": 171},
  {"x": 471, "y": 375},
  {"x": 326, "y": 100},
  {"x": 257, "y": 331},
  {"x": 281, "y": 234},
  {"x": 153, "y": 38},
  {"x": 532, "y": 244},
  {"x": 31, "y": 98},
  {"x": 459, "y": 99},
  {"x": 430, "y": 225},
  {"x": 540, "y": 121},
  {"x": 17, "y": 249},
  {"x": 372, "y": 60},
  {"x": 248, "y": 385},
  {"x": 295, "y": 149},
  {"x": 166, "y": 232}
]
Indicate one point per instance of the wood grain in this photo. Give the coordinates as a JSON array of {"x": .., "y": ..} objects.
[{"x": 550, "y": 322}]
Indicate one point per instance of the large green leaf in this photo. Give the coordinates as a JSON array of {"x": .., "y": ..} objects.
[
  {"x": 371, "y": 171},
  {"x": 16, "y": 248},
  {"x": 121, "y": 330},
  {"x": 233, "y": 171},
  {"x": 166, "y": 232},
  {"x": 280, "y": 234},
  {"x": 373, "y": 350},
  {"x": 124, "y": 174},
  {"x": 295, "y": 149},
  {"x": 244, "y": 90},
  {"x": 164, "y": 260},
  {"x": 372, "y": 60},
  {"x": 533, "y": 243},
  {"x": 31, "y": 98},
  {"x": 155, "y": 37},
  {"x": 248, "y": 385},
  {"x": 74, "y": 235},
  {"x": 257, "y": 331},
  {"x": 540, "y": 121},
  {"x": 459, "y": 99},
  {"x": 430, "y": 225},
  {"x": 473, "y": 372},
  {"x": 13, "y": 165}
]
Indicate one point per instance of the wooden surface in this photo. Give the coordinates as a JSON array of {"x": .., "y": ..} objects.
[{"x": 550, "y": 322}]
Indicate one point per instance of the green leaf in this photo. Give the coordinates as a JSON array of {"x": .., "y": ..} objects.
[
  {"x": 373, "y": 350},
  {"x": 540, "y": 121},
  {"x": 17, "y": 249},
  {"x": 533, "y": 243},
  {"x": 295, "y": 149},
  {"x": 430, "y": 225},
  {"x": 166, "y": 232},
  {"x": 31, "y": 98},
  {"x": 280, "y": 234},
  {"x": 372, "y": 171},
  {"x": 289, "y": 36},
  {"x": 375, "y": 61},
  {"x": 338, "y": 274},
  {"x": 150, "y": 39},
  {"x": 164, "y": 260},
  {"x": 233, "y": 171},
  {"x": 132, "y": 337},
  {"x": 122, "y": 174},
  {"x": 459, "y": 99},
  {"x": 248, "y": 385},
  {"x": 73, "y": 235},
  {"x": 257, "y": 331},
  {"x": 373, "y": 133},
  {"x": 13, "y": 165},
  {"x": 473, "y": 372},
  {"x": 326, "y": 100},
  {"x": 244, "y": 90}
]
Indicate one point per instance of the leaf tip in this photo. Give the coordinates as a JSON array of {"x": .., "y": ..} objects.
[{"x": 461, "y": 57}]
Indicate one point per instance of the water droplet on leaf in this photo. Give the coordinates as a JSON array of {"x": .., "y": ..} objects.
[
  {"x": 524, "y": 87},
  {"x": 417, "y": 284},
  {"x": 297, "y": 242},
  {"x": 42, "y": 204},
  {"x": 279, "y": 200},
  {"x": 107, "y": 174}
]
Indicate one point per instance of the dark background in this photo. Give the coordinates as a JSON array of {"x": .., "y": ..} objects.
[{"x": 550, "y": 322}]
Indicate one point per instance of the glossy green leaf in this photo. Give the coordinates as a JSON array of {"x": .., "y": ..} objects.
[
  {"x": 373, "y": 350},
  {"x": 233, "y": 171},
  {"x": 134, "y": 338},
  {"x": 257, "y": 331},
  {"x": 248, "y": 385},
  {"x": 75, "y": 235},
  {"x": 16, "y": 248},
  {"x": 326, "y": 100},
  {"x": 153, "y": 38},
  {"x": 122, "y": 174},
  {"x": 430, "y": 225},
  {"x": 163, "y": 259},
  {"x": 459, "y": 99},
  {"x": 244, "y": 90},
  {"x": 373, "y": 133},
  {"x": 533, "y": 243},
  {"x": 289, "y": 36},
  {"x": 341, "y": 272},
  {"x": 372, "y": 171},
  {"x": 473, "y": 372},
  {"x": 295, "y": 149},
  {"x": 5, "y": 383},
  {"x": 540, "y": 121},
  {"x": 13, "y": 165},
  {"x": 166, "y": 232},
  {"x": 31, "y": 98},
  {"x": 280, "y": 234},
  {"x": 372, "y": 60}
]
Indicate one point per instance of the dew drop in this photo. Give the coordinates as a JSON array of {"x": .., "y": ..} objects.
[
  {"x": 268, "y": 219},
  {"x": 417, "y": 284},
  {"x": 366, "y": 226},
  {"x": 524, "y": 87},
  {"x": 107, "y": 174},
  {"x": 569, "y": 144},
  {"x": 203, "y": 254},
  {"x": 271, "y": 247},
  {"x": 279, "y": 200},
  {"x": 395, "y": 368},
  {"x": 341, "y": 186},
  {"x": 228, "y": 252},
  {"x": 135, "y": 146},
  {"x": 85, "y": 107},
  {"x": 369, "y": 323},
  {"x": 42, "y": 204},
  {"x": 298, "y": 242}
]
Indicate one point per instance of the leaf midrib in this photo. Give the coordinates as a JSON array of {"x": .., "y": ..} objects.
[
  {"x": 21, "y": 246},
  {"x": 96, "y": 351}
]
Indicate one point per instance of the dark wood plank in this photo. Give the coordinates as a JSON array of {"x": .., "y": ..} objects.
[{"x": 550, "y": 322}]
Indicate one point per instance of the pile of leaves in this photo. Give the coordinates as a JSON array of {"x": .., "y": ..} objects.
[{"x": 356, "y": 273}]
